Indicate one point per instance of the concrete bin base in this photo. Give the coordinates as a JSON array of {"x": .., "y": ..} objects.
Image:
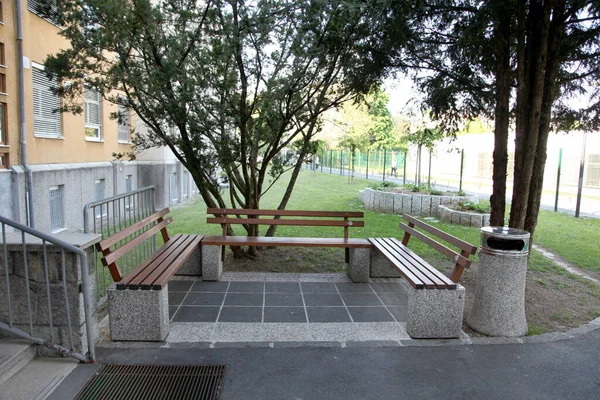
[
  {"x": 212, "y": 266},
  {"x": 435, "y": 313},
  {"x": 140, "y": 315},
  {"x": 499, "y": 305}
]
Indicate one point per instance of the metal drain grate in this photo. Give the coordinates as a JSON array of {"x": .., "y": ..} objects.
[{"x": 129, "y": 382}]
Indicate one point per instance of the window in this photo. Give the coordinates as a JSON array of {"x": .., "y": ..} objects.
[
  {"x": 3, "y": 124},
  {"x": 57, "y": 210},
  {"x": 100, "y": 195},
  {"x": 593, "y": 171},
  {"x": 186, "y": 189},
  {"x": 124, "y": 122},
  {"x": 2, "y": 83},
  {"x": 93, "y": 114},
  {"x": 2, "y": 55},
  {"x": 174, "y": 189},
  {"x": 127, "y": 190},
  {"x": 47, "y": 9},
  {"x": 1, "y": 14},
  {"x": 46, "y": 118}
]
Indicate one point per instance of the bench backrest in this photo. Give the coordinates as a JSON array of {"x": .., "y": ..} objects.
[
  {"x": 253, "y": 218},
  {"x": 135, "y": 235},
  {"x": 461, "y": 259}
]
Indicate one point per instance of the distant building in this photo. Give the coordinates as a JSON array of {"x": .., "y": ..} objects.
[{"x": 69, "y": 156}]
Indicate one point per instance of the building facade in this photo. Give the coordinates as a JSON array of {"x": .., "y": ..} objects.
[{"x": 69, "y": 157}]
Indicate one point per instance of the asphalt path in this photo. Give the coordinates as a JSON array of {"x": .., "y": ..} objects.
[{"x": 567, "y": 369}]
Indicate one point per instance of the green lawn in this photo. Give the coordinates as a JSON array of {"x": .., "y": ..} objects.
[
  {"x": 574, "y": 239},
  {"x": 332, "y": 192}
]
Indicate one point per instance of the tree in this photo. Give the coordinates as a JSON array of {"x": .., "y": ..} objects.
[
  {"x": 366, "y": 123},
  {"x": 515, "y": 61},
  {"x": 425, "y": 136},
  {"x": 226, "y": 85}
]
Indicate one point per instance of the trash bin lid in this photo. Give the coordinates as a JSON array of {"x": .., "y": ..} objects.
[{"x": 505, "y": 232}]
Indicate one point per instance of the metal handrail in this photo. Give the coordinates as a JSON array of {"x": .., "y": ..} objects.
[
  {"x": 107, "y": 200},
  {"x": 85, "y": 288}
]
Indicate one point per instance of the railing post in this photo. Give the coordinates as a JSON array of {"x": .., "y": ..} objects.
[{"x": 558, "y": 180}]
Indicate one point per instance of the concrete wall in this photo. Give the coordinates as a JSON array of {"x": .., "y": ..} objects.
[{"x": 79, "y": 185}]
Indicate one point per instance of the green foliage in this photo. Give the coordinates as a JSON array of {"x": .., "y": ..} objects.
[
  {"x": 384, "y": 185},
  {"x": 227, "y": 86},
  {"x": 483, "y": 206},
  {"x": 436, "y": 192}
]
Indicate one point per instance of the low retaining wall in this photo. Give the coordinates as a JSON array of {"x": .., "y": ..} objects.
[
  {"x": 418, "y": 205},
  {"x": 463, "y": 217}
]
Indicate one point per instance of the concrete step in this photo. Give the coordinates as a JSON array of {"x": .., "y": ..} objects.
[
  {"x": 38, "y": 379},
  {"x": 14, "y": 356}
]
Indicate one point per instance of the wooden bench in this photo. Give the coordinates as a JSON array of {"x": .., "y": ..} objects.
[
  {"x": 435, "y": 301},
  {"x": 138, "y": 302},
  {"x": 212, "y": 260}
]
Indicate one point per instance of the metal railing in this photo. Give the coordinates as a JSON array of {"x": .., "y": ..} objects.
[
  {"x": 111, "y": 215},
  {"x": 21, "y": 297}
]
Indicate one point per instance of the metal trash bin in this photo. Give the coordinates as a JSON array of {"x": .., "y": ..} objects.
[{"x": 499, "y": 305}]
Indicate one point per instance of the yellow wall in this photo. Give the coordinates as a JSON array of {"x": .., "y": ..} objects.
[{"x": 41, "y": 38}]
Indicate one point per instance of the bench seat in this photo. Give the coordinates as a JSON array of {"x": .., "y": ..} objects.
[
  {"x": 413, "y": 268},
  {"x": 154, "y": 273}
]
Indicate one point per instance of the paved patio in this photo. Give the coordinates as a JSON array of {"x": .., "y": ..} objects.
[{"x": 267, "y": 309}]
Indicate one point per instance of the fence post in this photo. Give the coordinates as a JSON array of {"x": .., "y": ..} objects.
[
  {"x": 558, "y": 180},
  {"x": 581, "y": 171},
  {"x": 429, "y": 174},
  {"x": 404, "y": 167},
  {"x": 384, "y": 160},
  {"x": 368, "y": 152},
  {"x": 462, "y": 163},
  {"x": 330, "y": 160}
]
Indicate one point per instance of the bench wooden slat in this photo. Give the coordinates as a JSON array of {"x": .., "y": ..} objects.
[
  {"x": 441, "y": 280},
  {"x": 286, "y": 213},
  {"x": 121, "y": 251},
  {"x": 281, "y": 241},
  {"x": 135, "y": 278},
  {"x": 147, "y": 282},
  {"x": 294, "y": 222},
  {"x": 416, "y": 281},
  {"x": 452, "y": 255},
  {"x": 163, "y": 279},
  {"x": 466, "y": 246},
  {"x": 122, "y": 234}
]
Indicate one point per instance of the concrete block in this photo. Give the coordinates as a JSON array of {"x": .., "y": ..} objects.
[
  {"x": 454, "y": 217},
  {"x": 435, "y": 313},
  {"x": 388, "y": 203},
  {"x": 359, "y": 265},
  {"x": 486, "y": 220},
  {"x": 407, "y": 204},
  {"x": 369, "y": 205},
  {"x": 397, "y": 203},
  {"x": 212, "y": 266},
  {"x": 465, "y": 219},
  {"x": 141, "y": 315},
  {"x": 499, "y": 305},
  {"x": 476, "y": 220},
  {"x": 425, "y": 206},
  {"x": 361, "y": 196},
  {"x": 415, "y": 209},
  {"x": 381, "y": 267},
  {"x": 193, "y": 265}
]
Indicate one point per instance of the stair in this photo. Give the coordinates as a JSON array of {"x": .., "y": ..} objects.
[{"x": 24, "y": 376}]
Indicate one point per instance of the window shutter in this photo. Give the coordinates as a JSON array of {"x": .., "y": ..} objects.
[{"x": 46, "y": 120}]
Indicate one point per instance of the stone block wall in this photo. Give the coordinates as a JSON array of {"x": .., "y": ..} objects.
[
  {"x": 464, "y": 218},
  {"x": 418, "y": 205},
  {"x": 42, "y": 293}
]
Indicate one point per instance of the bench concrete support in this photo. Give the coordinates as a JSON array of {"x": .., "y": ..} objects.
[
  {"x": 360, "y": 264},
  {"x": 193, "y": 265},
  {"x": 212, "y": 266},
  {"x": 381, "y": 267},
  {"x": 435, "y": 313},
  {"x": 141, "y": 315}
]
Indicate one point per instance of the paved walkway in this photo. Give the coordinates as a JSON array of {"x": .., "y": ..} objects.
[{"x": 566, "y": 369}]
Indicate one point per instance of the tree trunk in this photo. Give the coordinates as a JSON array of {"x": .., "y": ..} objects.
[
  {"x": 529, "y": 105},
  {"x": 557, "y": 28},
  {"x": 502, "y": 115}
]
